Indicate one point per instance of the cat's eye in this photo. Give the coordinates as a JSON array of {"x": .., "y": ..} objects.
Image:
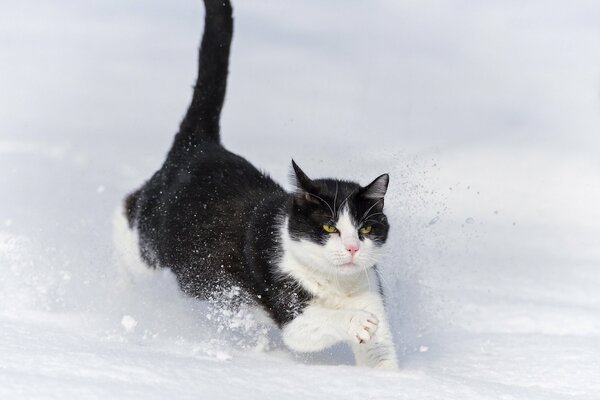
[
  {"x": 366, "y": 229},
  {"x": 329, "y": 228}
]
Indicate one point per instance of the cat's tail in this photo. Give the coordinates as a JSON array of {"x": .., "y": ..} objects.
[{"x": 201, "y": 122}]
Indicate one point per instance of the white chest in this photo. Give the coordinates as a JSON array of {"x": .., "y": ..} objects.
[{"x": 331, "y": 290}]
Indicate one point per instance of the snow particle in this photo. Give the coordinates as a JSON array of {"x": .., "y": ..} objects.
[
  {"x": 129, "y": 323},
  {"x": 470, "y": 220},
  {"x": 423, "y": 349}
]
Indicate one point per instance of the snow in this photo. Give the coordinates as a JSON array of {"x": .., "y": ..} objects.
[{"x": 485, "y": 115}]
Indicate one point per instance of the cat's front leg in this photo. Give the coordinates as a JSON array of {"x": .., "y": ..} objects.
[
  {"x": 379, "y": 351},
  {"x": 363, "y": 325},
  {"x": 318, "y": 327}
]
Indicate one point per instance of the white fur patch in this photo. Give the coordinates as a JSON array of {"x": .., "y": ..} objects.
[{"x": 127, "y": 247}]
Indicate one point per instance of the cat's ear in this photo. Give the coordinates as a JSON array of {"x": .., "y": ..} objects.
[
  {"x": 376, "y": 190},
  {"x": 304, "y": 185},
  {"x": 301, "y": 180}
]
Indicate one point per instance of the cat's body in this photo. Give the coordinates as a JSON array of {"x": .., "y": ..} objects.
[{"x": 218, "y": 223}]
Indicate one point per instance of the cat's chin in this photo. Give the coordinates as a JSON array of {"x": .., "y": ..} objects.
[
  {"x": 350, "y": 268},
  {"x": 350, "y": 271}
]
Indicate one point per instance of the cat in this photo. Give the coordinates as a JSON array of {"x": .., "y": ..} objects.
[{"x": 307, "y": 257}]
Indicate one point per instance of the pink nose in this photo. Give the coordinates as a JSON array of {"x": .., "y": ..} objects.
[{"x": 352, "y": 248}]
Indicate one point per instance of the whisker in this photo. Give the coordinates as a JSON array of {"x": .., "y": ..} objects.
[
  {"x": 374, "y": 214},
  {"x": 345, "y": 200},
  {"x": 370, "y": 208},
  {"x": 337, "y": 283},
  {"x": 330, "y": 209},
  {"x": 368, "y": 280},
  {"x": 384, "y": 282},
  {"x": 336, "y": 193},
  {"x": 370, "y": 220}
]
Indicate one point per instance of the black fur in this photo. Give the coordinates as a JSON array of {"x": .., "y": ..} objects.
[{"x": 213, "y": 218}]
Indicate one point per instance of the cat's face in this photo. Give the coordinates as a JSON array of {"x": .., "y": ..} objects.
[{"x": 337, "y": 226}]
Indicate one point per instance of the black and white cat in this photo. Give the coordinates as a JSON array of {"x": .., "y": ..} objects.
[{"x": 307, "y": 258}]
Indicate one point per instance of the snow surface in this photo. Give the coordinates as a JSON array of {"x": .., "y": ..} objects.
[{"x": 486, "y": 115}]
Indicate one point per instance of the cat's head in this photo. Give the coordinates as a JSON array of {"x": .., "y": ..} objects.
[{"x": 337, "y": 226}]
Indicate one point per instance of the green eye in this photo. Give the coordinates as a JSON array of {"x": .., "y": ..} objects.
[
  {"x": 366, "y": 230},
  {"x": 329, "y": 228}
]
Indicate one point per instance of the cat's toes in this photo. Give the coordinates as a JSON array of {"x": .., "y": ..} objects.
[{"x": 362, "y": 327}]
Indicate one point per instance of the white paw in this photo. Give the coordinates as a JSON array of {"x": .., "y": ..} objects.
[{"x": 362, "y": 327}]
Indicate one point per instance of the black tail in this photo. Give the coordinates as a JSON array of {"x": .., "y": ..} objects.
[{"x": 201, "y": 122}]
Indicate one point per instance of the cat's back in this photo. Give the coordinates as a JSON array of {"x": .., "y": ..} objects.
[
  {"x": 213, "y": 175},
  {"x": 212, "y": 182},
  {"x": 198, "y": 203}
]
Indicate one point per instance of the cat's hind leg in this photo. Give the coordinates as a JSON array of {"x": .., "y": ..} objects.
[{"x": 126, "y": 247}]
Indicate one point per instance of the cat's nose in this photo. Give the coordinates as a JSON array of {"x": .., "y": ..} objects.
[{"x": 352, "y": 248}]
